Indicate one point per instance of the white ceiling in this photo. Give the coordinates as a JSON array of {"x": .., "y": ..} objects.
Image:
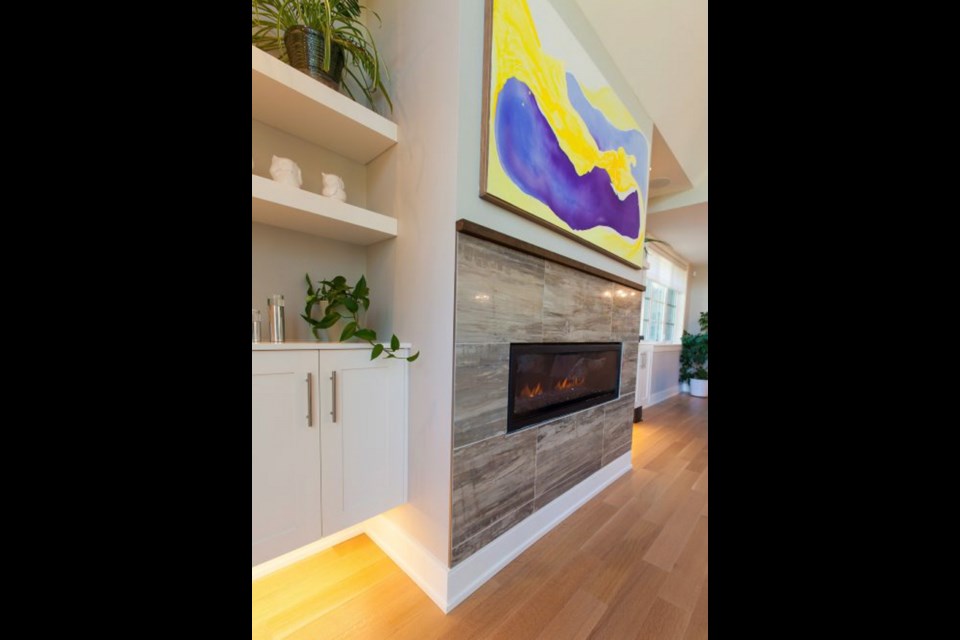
[
  {"x": 685, "y": 229},
  {"x": 660, "y": 46}
]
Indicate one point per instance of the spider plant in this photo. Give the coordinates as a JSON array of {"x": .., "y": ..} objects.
[{"x": 339, "y": 22}]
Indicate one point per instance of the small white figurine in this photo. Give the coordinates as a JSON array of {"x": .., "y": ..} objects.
[
  {"x": 333, "y": 187},
  {"x": 286, "y": 171}
]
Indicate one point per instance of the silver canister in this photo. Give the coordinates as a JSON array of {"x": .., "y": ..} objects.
[
  {"x": 275, "y": 317},
  {"x": 256, "y": 326}
]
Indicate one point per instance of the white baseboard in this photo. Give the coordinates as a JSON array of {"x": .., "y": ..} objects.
[
  {"x": 300, "y": 553},
  {"x": 469, "y": 575},
  {"x": 423, "y": 567},
  {"x": 660, "y": 396}
]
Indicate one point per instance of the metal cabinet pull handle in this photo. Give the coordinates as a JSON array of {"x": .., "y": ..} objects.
[
  {"x": 309, "y": 399},
  {"x": 333, "y": 411}
]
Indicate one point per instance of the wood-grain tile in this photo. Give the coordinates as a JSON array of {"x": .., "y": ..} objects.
[
  {"x": 568, "y": 450},
  {"x": 617, "y": 428},
  {"x": 480, "y": 392},
  {"x": 626, "y": 314},
  {"x": 628, "y": 367},
  {"x": 499, "y": 293},
  {"x": 485, "y": 536},
  {"x": 577, "y": 307},
  {"x": 491, "y": 478}
]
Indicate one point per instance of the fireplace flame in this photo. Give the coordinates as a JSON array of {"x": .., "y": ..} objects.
[
  {"x": 569, "y": 383},
  {"x": 527, "y": 392}
]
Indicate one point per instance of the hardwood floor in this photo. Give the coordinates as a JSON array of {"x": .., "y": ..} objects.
[{"x": 631, "y": 563}]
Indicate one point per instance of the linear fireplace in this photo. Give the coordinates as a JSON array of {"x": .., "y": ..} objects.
[{"x": 548, "y": 380}]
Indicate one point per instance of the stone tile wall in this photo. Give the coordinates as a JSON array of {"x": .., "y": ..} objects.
[{"x": 505, "y": 296}]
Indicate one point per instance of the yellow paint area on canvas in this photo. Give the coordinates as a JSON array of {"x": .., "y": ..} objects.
[
  {"x": 517, "y": 54},
  {"x": 613, "y": 109}
]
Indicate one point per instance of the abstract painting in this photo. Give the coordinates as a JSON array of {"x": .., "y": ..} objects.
[{"x": 559, "y": 146}]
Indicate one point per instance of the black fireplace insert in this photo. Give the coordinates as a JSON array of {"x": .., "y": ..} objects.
[{"x": 548, "y": 380}]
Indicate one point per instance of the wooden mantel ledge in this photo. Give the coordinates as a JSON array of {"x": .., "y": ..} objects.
[{"x": 479, "y": 231}]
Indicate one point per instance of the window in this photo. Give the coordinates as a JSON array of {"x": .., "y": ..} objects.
[{"x": 663, "y": 301}]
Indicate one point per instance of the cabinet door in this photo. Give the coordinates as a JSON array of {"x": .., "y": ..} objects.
[
  {"x": 363, "y": 433},
  {"x": 286, "y": 452}
]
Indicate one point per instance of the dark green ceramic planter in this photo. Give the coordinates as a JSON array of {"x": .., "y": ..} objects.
[{"x": 305, "y": 49}]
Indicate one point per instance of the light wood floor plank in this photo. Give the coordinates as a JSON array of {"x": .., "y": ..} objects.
[
  {"x": 694, "y": 447},
  {"x": 540, "y": 606},
  {"x": 576, "y": 620},
  {"x": 682, "y": 586},
  {"x": 701, "y": 483},
  {"x": 699, "y": 463},
  {"x": 673, "y": 537},
  {"x": 602, "y": 573},
  {"x": 629, "y": 608},
  {"x": 661, "y": 510},
  {"x": 697, "y": 626},
  {"x": 663, "y": 622},
  {"x": 620, "y": 561}
]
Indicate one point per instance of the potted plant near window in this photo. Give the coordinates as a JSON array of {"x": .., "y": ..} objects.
[
  {"x": 326, "y": 39},
  {"x": 693, "y": 359}
]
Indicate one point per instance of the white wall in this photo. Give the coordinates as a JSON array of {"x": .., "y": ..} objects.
[
  {"x": 281, "y": 258},
  {"x": 312, "y": 160},
  {"x": 416, "y": 180},
  {"x": 665, "y": 373},
  {"x": 469, "y": 204},
  {"x": 696, "y": 297}
]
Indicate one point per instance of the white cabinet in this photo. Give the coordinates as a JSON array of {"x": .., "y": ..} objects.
[
  {"x": 329, "y": 442},
  {"x": 644, "y": 364},
  {"x": 363, "y": 444},
  {"x": 286, "y": 453}
]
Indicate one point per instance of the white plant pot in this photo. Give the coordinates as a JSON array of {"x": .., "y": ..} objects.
[{"x": 698, "y": 388}]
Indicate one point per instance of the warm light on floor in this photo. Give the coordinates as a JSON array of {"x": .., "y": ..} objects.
[{"x": 292, "y": 598}]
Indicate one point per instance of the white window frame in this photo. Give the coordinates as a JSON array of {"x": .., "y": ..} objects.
[{"x": 680, "y": 318}]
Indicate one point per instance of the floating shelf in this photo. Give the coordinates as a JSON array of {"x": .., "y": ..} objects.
[
  {"x": 280, "y": 205},
  {"x": 292, "y": 101}
]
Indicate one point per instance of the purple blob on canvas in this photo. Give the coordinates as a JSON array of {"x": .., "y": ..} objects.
[
  {"x": 531, "y": 156},
  {"x": 607, "y": 136}
]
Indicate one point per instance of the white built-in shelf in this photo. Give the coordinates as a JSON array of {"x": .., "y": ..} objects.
[
  {"x": 292, "y": 101},
  {"x": 284, "y": 206}
]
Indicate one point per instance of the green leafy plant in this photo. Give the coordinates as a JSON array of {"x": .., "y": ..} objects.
[
  {"x": 693, "y": 352},
  {"x": 346, "y": 302},
  {"x": 339, "y": 21}
]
